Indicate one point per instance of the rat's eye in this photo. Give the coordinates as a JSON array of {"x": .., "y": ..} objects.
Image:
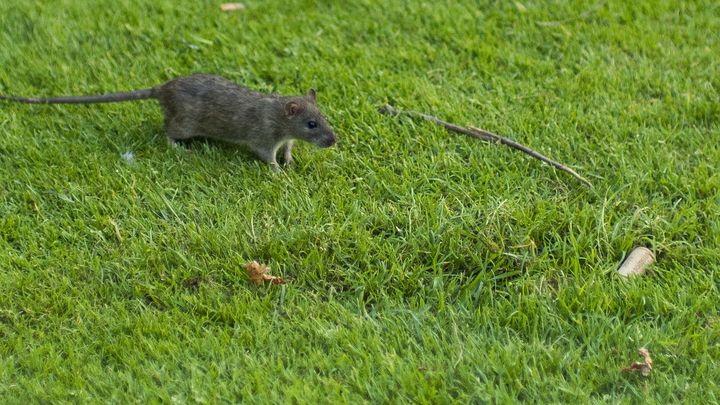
[{"x": 312, "y": 124}]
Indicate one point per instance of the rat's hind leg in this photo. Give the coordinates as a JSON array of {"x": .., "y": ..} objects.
[{"x": 176, "y": 130}]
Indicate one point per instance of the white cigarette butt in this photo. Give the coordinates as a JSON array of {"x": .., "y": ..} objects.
[
  {"x": 232, "y": 6},
  {"x": 636, "y": 262}
]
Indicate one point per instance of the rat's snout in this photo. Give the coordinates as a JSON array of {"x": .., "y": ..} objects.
[
  {"x": 330, "y": 141},
  {"x": 325, "y": 140}
]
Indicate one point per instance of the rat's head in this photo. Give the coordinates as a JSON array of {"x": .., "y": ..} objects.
[{"x": 307, "y": 122}]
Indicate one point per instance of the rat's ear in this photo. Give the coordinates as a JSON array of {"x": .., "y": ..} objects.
[
  {"x": 292, "y": 108},
  {"x": 311, "y": 95}
]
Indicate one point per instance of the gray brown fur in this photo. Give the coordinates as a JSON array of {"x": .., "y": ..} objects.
[{"x": 213, "y": 107}]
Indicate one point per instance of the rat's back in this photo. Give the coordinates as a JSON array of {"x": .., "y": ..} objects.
[
  {"x": 198, "y": 92},
  {"x": 208, "y": 106}
]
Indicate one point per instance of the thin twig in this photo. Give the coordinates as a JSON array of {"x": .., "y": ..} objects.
[{"x": 485, "y": 136}]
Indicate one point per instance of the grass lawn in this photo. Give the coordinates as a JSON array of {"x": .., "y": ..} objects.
[{"x": 424, "y": 266}]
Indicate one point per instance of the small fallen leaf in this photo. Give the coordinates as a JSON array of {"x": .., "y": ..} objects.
[
  {"x": 232, "y": 6},
  {"x": 645, "y": 366},
  {"x": 258, "y": 274}
]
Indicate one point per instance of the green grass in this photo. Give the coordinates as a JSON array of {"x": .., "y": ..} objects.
[{"x": 425, "y": 266}]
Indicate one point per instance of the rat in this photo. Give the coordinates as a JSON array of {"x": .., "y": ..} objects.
[{"x": 213, "y": 107}]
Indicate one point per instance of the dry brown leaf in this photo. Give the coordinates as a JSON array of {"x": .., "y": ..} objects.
[
  {"x": 258, "y": 274},
  {"x": 232, "y": 6},
  {"x": 645, "y": 366}
]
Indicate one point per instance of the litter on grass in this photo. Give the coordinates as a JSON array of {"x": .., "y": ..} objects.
[
  {"x": 636, "y": 262},
  {"x": 129, "y": 157},
  {"x": 258, "y": 274},
  {"x": 232, "y": 6}
]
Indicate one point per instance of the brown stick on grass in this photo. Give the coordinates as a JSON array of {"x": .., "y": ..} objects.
[{"x": 485, "y": 136}]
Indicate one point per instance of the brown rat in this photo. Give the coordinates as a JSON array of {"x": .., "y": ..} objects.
[{"x": 214, "y": 107}]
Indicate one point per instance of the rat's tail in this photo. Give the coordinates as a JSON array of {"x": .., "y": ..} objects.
[{"x": 143, "y": 94}]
